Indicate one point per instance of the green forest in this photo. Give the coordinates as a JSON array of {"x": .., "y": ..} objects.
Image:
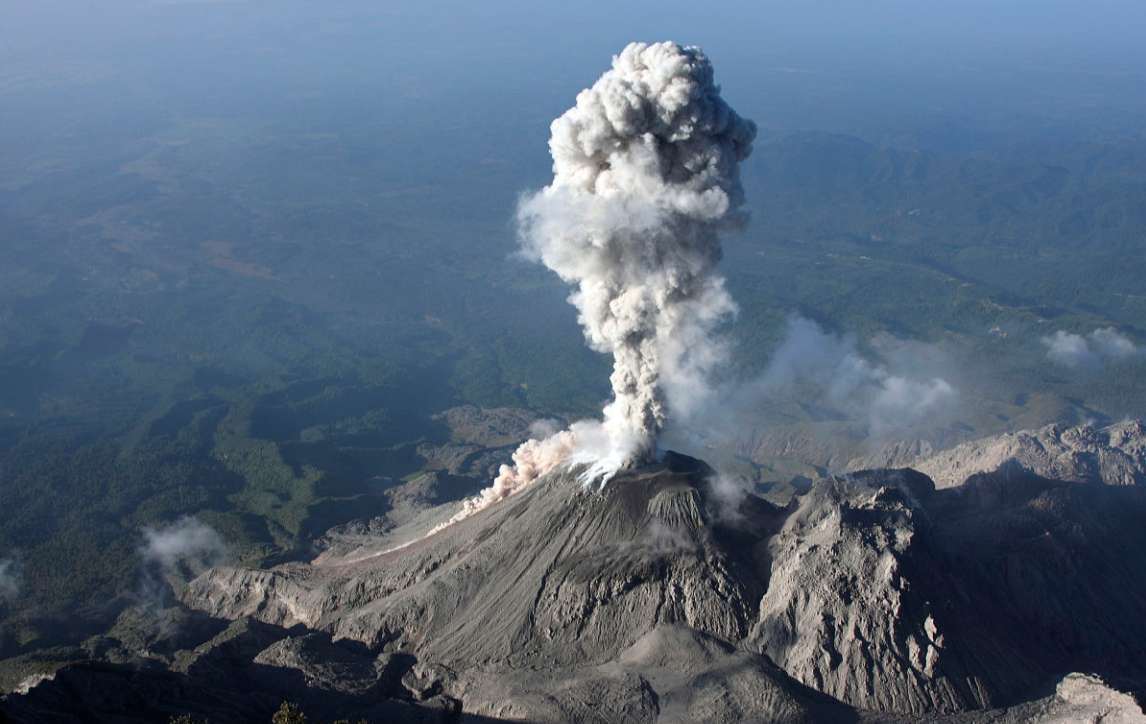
[{"x": 244, "y": 319}]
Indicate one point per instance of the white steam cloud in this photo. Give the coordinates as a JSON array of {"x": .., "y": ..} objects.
[
  {"x": 645, "y": 177},
  {"x": 10, "y": 579},
  {"x": 185, "y": 548},
  {"x": 187, "y": 541},
  {"x": 851, "y": 383},
  {"x": 1075, "y": 350},
  {"x": 827, "y": 369},
  {"x": 726, "y": 493}
]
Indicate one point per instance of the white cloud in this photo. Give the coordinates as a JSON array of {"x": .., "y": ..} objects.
[
  {"x": 10, "y": 579},
  {"x": 1074, "y": 350},
  {"x": 901, "y": 401},
  {"x": 892, "y": 396},
  {"x": 853, "y": 384},
  {"x": 1109, "y": 343},
  {"x": 187, "y": 540}
]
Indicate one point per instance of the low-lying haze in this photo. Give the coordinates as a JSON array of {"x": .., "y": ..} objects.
[{"x": 251, "y": 251}]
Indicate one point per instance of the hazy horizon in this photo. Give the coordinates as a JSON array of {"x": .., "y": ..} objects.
[{"x": 251, "y": 252}]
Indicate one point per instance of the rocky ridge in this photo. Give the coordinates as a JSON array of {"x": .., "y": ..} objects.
[
  {"x": 559, "y": 575},
  {"x": 875, "y": 597},
  {"x": 877, "y": 589},
  {"x": 1114, "y": 455}
]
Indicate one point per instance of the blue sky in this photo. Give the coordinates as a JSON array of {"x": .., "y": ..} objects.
[{"x": 830, "y": 64}]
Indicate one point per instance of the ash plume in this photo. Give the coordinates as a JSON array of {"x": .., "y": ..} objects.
[{"x": 645, "y": 177}]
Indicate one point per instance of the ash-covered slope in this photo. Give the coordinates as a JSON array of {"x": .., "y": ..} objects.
[
  {"x": 859, "y": 606},
  {"x": 874, "y": 598},
  {"x": 891, "y": 595},
  {"x": 1114, "y": 455},
  {"x": 606, "y": 591},
  {"x": 653, "y": 594},
  {"x": 561, "y": 574}
]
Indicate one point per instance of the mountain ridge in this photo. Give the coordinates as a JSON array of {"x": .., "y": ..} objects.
[{"x": 874, "y": 597}]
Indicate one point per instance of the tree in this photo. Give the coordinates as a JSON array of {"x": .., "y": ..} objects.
[{"x": 289, "y": 713}]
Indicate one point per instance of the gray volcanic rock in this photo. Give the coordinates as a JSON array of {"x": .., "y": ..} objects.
[
  {"x": 600, "y": 590},
  {"x": 841, "y": 616},
  {"x": 1114, "y": 455},
  {"x": 241, "y": 675},
  {"x": 893, "y": 454},
  {"x": 890, "y": 595},
  {"x": 857, "y": 606},
  {"x": 641, "y": 601},
  {"x": 1053, "y": 569},
  {"x": 560, "y": 574},
  {"x": 1081, "y": 698},
  {"x": 672, "y": 674},
  {"x": 872, "y": 598},
  {"x": 324, "y": 666}
]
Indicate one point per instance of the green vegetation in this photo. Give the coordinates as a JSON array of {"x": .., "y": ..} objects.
[
  {"x": 250, "y": 362},
  {"x": 288, "y": 713},
  {"x": 244, "y": 318}
]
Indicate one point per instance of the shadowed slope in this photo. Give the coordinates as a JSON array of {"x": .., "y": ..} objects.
[
  {"x": 877, "y": 590},
  {"x": 560, "y": 574}
]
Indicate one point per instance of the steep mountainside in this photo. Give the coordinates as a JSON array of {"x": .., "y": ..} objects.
[
  {"x": 891, "y": 595},
  {"x": 1114, "y": 455},
  {"x": 877, "y": 590},
  {"x": 660, "y": 597}
]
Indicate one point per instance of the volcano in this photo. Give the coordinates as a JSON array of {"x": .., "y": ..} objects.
[
  {"x": 660, "y": 597},
  {"x": 657, "y": 598},
  {"x": 581, "y": 588}
]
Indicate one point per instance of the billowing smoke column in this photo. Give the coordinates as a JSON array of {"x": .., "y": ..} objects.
[{"x": 645, "y": 176}]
